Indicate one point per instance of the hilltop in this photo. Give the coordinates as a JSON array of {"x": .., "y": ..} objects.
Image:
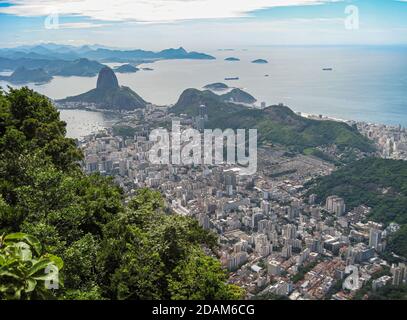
[
  {"x": 108, "y": 94},
  {"x": 276, "y": 124}
]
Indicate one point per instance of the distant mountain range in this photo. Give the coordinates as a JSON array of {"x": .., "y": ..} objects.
[
  {"x": 85, "y": 61},
  {"x": 276, "y": 124},
  {"x": 65, "y": 52},
  {"x": 108, "y": 94}
]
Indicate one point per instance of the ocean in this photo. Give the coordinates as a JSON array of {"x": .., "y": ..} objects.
[{"x": 365, "y": 83}]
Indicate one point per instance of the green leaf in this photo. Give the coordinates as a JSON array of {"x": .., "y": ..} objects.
[
  {"x": 57, "y": 261},
  {"x": 19, "y": 236},
  {"x": 30, "y": 285},
  {"x": 40, "y": 265}
]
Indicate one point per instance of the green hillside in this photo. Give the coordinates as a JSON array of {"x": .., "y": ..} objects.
[
  {"x": 378, "y": 183},
  {"x": 275, "y": 124}
]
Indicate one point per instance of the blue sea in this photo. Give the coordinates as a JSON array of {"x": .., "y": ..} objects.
[{"x": 366, "y": 83}]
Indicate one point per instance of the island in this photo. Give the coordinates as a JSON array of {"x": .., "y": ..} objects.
[
  {"x": 107, "y": 95},
  {"x": 23, "y": 75},
  {"x": 260, "y": 61},
  {"x": 232, "y": 59},
  {"x": 217, "y": 86},
  {"x": 126, "y": 68},
  {"x": 238, "y": 96}
]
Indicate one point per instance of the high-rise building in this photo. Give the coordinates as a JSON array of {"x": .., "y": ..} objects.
[
  {"x": 375, "y": 239},
  {"x": 335, "y": 204},
  {"x": 289, "y": 231},
  {"x": 399, "y": 274}
]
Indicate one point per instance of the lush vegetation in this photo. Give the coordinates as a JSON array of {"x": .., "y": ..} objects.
[
  {"x": 379, "y": 183},
  {"x": 26, "y": 273},
  {"x": 398, "y": 242},
  {"x": 275, "y": 124},
  {"x": 109, "y": 249}
]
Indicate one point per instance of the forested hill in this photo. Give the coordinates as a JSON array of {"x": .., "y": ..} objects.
[
  {"x": 379, "y": 183},
  {"x": 276, "y": 124},
  {"x": 58, "y": 215}
]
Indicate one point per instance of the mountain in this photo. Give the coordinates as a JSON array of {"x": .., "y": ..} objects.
[
  {"x": 276, "y": 124},
  {"x": 126, "y": 68},
  {"x": 52, "y": 51},
  {"x": 260, "y": 61},
  {"x": 108, "y": 94},
  {"x": 190, "y": 100},
  {"x": 81, "y": 67},
  {"x": 22, "y": 75},
  {"x": 238, "y": 96}
]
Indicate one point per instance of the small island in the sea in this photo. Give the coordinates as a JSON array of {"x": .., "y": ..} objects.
[
  {"x": 232, "y": 59},
  {"x": 217, "y": 86},
  {"x": 260, "y": 61},
  {"x": 126, "y": 68}
]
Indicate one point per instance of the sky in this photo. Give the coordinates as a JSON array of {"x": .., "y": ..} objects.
[{"x": 203, "y": 24}]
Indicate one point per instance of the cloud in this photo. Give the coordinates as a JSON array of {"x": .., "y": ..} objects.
[{"x": 148, "y": 10}]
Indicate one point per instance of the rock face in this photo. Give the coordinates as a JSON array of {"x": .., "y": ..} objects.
[
  {"x": 107, "y": 79},
  {"x": 108, "y": 94}
]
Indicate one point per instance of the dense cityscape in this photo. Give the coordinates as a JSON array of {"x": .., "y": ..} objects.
[{"x": 274, "y": 238}]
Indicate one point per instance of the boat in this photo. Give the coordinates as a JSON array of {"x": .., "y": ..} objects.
[
  {"x": 327, "y": 69},
  {"x": 233, "y": 78}
]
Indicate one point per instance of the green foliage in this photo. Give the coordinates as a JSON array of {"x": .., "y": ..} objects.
[
  {"x": 379, "y": 183},
  {"x": 28, "y": 122},
  {"x": 124, "y": 131},
  {"x": 398, "y": 242},
  {"x": 390, "y": 293},
  {"x": 24, "y": 270},
  {"x": 199, "y": 278},
  {"x": 303, "y": 270},
  {"x": 111, "y": 250},
  {"x": 275, "y": 124},
  {"x": 146, "y": 250}
]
